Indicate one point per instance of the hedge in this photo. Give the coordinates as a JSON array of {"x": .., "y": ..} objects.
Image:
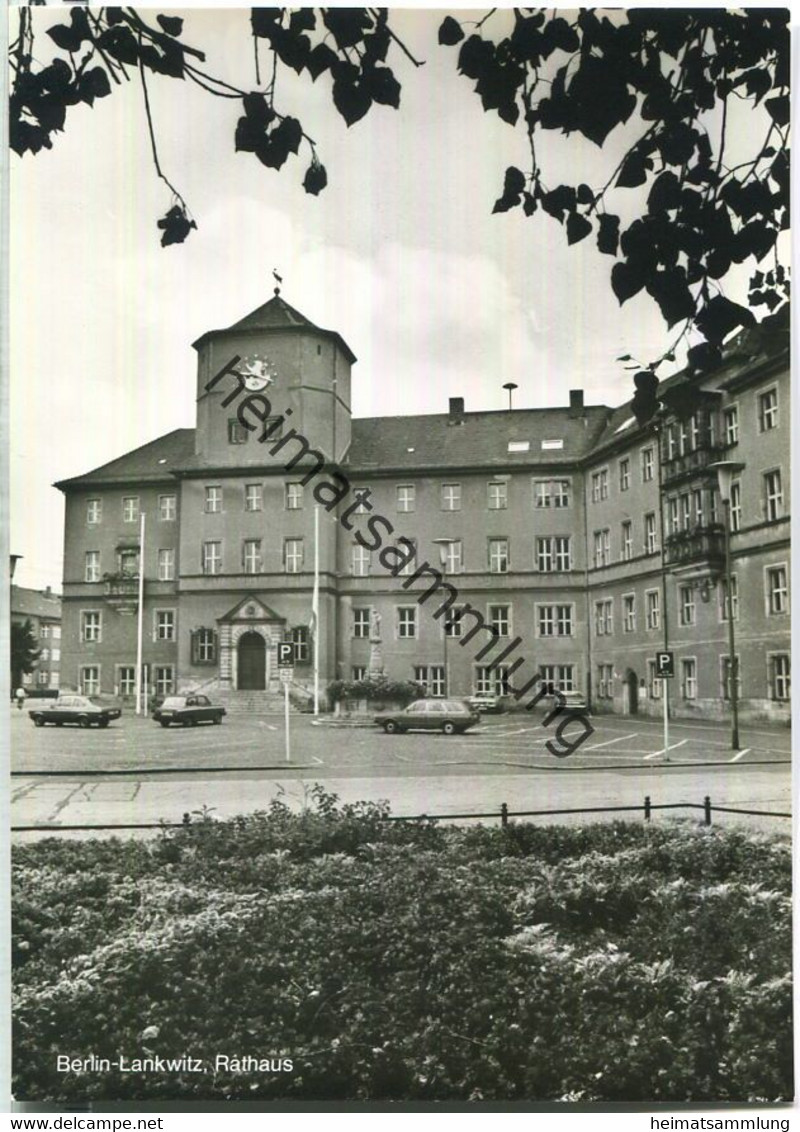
[{"x": 389, "y": 960}]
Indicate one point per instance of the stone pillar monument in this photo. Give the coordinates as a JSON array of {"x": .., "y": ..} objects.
[{"x": 375, "y": 671}]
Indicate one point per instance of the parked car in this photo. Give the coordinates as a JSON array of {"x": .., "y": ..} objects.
[
  {"x": 484, "y": 702},
  {"x": 569, "y": 701},
  {"x": 448, "y": 716},
  {"x": 188, "y": 710},
  {"x": 74, "y": 709}
]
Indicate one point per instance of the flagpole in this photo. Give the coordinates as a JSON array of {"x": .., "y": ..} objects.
[
  {"x": 140, "y": 620},
  {"x": 315, "y": 609}
]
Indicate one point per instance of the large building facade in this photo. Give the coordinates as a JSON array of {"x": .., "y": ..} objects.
[
  {"x": 582, "y": 543},
  {"x": 41, "y": 609}
]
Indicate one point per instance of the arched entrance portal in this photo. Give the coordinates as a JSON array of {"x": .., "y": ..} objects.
[
  {"x": 631, "y": 706},
  {"x": 251, "y": 666}
]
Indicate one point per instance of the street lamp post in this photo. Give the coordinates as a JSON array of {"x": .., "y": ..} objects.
[
  {"x": 443, "y": 544},
  {"x": 726, "y": 470}
]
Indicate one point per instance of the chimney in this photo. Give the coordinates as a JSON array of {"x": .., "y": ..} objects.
[
  {"x": 47, "y": 591},
  {"x": 576, "y": 400},
  {"x": 456, "y": 410}
]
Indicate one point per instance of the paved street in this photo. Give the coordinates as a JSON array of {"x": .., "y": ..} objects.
[{"x": 136, "y": 772}]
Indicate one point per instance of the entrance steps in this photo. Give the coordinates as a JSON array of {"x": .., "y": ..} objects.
[{"x": 251, "y": 702}]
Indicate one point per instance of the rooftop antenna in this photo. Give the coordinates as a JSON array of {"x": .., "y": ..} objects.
[
  {"x": 278, "y": 279},
  {"x": 510, "y": 386}
]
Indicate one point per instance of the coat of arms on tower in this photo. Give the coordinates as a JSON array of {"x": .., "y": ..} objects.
[{"x": 258, "y": 372}]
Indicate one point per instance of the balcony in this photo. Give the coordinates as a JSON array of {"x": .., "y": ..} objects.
[
  {"x": 691, "y": 464},
  {"x": 122, "y": 591},
  {"x": 700, "y": 550}
]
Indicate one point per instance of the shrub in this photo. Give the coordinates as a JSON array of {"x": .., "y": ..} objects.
[{"x": 402, "y": 960}]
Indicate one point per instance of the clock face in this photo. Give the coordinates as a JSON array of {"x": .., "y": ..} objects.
[{"x": 258, "y": 372}]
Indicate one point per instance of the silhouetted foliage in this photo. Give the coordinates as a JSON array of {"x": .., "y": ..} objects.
[{"x": 24, "y": 651}]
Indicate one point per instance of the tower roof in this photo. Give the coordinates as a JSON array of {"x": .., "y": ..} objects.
[{"x": 276, "y": 315}]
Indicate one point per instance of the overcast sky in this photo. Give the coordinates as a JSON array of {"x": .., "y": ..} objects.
[{"x": 400, "y": 254}]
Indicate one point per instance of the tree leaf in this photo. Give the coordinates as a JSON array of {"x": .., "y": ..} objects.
[
  {"x": 172, "y": 25},
  {"x": 351, "y": 100},
  {"x": 263, "y": 21},
  {"x": 176, "y": 226},
  {"x": 703, "y": 357},
  {"x": 321, "y": 59},
  {"x": 720, "y": 316},
  {"x": 608, "y": 234},
  {"x": 383, "y": 87},
  {"x": 450, "y": 32},
  {"x": 578, "y": 228},
  {"x": 633, "y": 172},
  {"x": 626, "y": 281},
  {"x": 315, "y": 179}
]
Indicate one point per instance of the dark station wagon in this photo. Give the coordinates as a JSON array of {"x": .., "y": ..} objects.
[
  {"x": 188, "y": 710},
  {"x": 448, "y": 716},
  {"x": 74, "y": 709}
]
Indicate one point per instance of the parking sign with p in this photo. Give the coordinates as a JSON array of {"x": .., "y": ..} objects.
[
  {"x": 665, "y": 664},
  {"x": 285, "y": 654}
]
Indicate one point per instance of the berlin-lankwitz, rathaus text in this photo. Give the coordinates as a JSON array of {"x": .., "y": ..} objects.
[{"x": 594, "y": 540}]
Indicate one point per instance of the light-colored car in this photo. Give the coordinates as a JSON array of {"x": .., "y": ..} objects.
[
  {"x": 448, "y": 716},
  {"x": 74, "y": 709},
  {"x": 188, "y": 710},
  {"x": 572, "y": 701},
  {"x": 485, "y": 702}
]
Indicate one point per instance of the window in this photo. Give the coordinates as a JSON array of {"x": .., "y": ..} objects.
[
  {"x": 624, "y": 474},
  {"x": 653, "y": 681},
  {"x": 768, "y": 410},
  {"x": 43, "y": 678},
  {"x": 626, "y": 540},
  {"x": 406, "y": 622},
  {"x": 361, "y": 559},
  {"x": 780, "y": 677},
  {"x": 687, "y": 610},
  {"x": 558, "y": 677},
  {"x": 600, "y": 485},
  {"x": 730, "y": 419},
  {"x": 44, "y": 654},
  {"x": 130, "y": 509},
  {"x": 91, "y": 627},
  {"x": 553, "y": 554},
  {"x": 251, "y": 556},
  {"x": 166, "y": 565},
  {"x": 686, "y": 512},
  {"x": 361, "y": 623},
  {"x": 628, "y": 613},
  {"x": 164, "y": 625},
  {"x": 555, "y": 620},
  {"x": 605, "y": 681},
  {"x": 213, "y": 499},
  {"x": 55, "y": 655},
  {"x": 237, "y": 432},
  {"x": 604, "y": 617},
  {"x": 452, "y": 557},
  {"x": 56, "y": 632},
  {"x": 359, "y": 672},
  {"x": 44, "y": 631},
  {"x": 774, "y": 495},
  {"x": 551, "y": 493},
  {"x": 254, "y": 497},
  {"x": 167, "y": 508},
  {"x": 94, "y": 510},
  {"x": 451, "y": 496},
  {"x": 293, "y": 555},
  {"x": 204, "y": 646},
  {"x": 492, "y": 680},
  {"x": 602, "y": 548},
  {"x": 500, "y": 620},
  {"x": 363, "y": 497},
  {"x": 725, "y": 677},
  {"x": 650, "y": 536},
  {"x": 452, "y": 622},
  {"x": 689, "y": 679},
  {"x": 652, "y": 601},
  {"x": 736, "y": 507},
  {"x": 498, "y": 556},
  {"x": 647, "y": 465},
  {"x": 126, "y": 679},
  {"x": 406, "y": 497},
  {"x": 432, "y": 679},
  {"x": 293, "y": 496},
  {"x": 519, "y": 446},
  {"x": 777, "y": 590},
  {"x": 90, "y": 680},
  {"x": 673, "y": 516},
  {"x": 302, "y": 645},
  {"x": 165, "y": 680},
  {"x": 212, "y": 557},
  {"x": 91, "y": 571},
  {"x": 128, "y": 562},
  {"x": 697, "y": 497},
  {"x": 404, "y": 544},
  {"x": 498, "y": 495},
  {"x": 724, "y": 604}
]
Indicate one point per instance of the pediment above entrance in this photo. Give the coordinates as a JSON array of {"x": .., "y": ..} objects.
[{"x": 252, "y": 610}]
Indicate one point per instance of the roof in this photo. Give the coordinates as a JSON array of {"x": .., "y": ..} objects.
[
  {"x": 276, "y": 315},
  {"x": 34, "y": 603},
  {"x": 150, "y": 463},
  {"x": 476, "y": 439}
]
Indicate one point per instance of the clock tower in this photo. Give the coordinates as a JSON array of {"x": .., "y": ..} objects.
[{"x": 296, "y": 376}]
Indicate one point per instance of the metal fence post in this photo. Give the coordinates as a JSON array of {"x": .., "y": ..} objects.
[
  {"x": 707, "y": 808},
  {"x": 647, "y": 807},
  {"x": 504, "y": 815}
]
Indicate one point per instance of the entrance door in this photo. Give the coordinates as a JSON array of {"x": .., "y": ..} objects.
[
  {"x": 252, "y": 662},
  {"x": 632, "y": 684}
]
